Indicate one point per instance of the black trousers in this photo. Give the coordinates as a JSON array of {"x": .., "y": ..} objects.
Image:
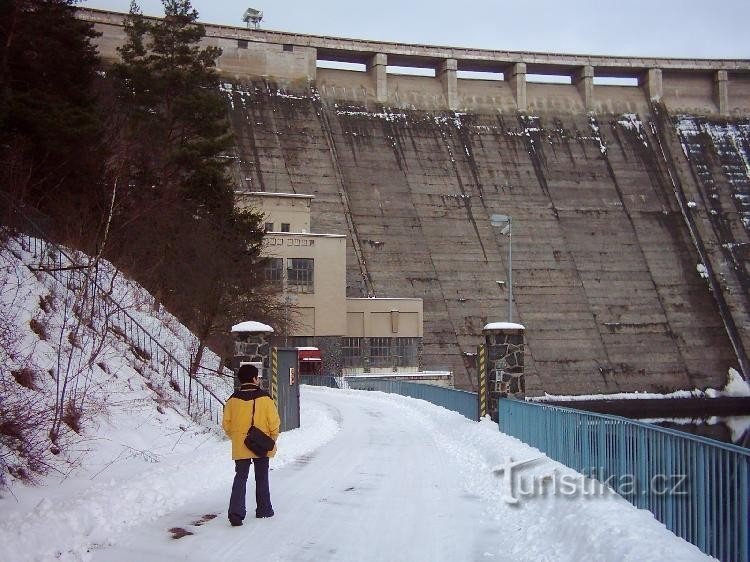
[{"x": 237, "y": 508}]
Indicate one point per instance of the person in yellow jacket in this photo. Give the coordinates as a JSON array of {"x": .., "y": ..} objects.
[{"x": 249, "y": 401}]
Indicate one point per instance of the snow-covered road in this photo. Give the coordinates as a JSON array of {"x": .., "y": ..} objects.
[
  {"x": 380, "y": 490},
  {"x": 402, "y": 480}
]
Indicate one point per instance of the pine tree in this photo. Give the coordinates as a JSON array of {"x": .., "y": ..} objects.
[
  {"x": 168, "y": 87},
  {"x": 48, "y": 114},
  {"x": 187, "y": 241}
]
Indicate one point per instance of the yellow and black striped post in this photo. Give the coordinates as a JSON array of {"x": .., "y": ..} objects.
[
  {"x": 482, "y": 371},
  {"x": 274, "y": 386}
]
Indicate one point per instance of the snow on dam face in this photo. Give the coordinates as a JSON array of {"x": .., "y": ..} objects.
[{"x": 630, "y": 204}]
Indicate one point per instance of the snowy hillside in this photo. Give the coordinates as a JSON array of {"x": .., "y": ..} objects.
[{"x": 75, "y": 360}]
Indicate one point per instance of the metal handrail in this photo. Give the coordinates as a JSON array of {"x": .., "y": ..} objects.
[
  {"x": 711, "y": 507},
  {"x": 134, "y": 332},
  {"x": 462, "y": 401},
  {"x": 65, "y": 273}
]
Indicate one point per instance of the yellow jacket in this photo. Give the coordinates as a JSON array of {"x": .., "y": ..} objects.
[{"x": 236, "y": 422}]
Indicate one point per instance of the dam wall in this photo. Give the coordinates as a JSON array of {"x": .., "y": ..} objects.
[
  {"x": 694, "y": 86},
  {"x": 608, "y": 274},
  {"x": 630, "y": 204}
]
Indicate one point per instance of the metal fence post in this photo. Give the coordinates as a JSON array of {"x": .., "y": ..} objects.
[{"x": 482, "y": 373}]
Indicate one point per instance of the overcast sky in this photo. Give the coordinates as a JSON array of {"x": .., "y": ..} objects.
[{"x": 659, "y": 28}]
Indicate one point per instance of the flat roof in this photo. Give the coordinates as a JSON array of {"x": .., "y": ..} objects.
[
  {"x": 383, "y": 298},
  {"x": 306, "y": 234},
  {"x": 269, "y": 194}
]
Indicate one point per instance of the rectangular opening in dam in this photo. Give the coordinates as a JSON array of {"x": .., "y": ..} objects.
[
  {"x": 548, "y": 78},
  {"x": 615, "y": 81},
  {"x": 411, "y": 70},
  {"x": 355, "y": 66},
  {"x": 472, "y": 75}
]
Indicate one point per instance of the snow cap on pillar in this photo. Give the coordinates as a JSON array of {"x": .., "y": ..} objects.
[
  {"x": 251, "y": 326},
  {"x": 509, "y": 327}
]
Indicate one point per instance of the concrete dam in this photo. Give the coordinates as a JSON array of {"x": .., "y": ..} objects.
[{"x": 630, "y": 203}]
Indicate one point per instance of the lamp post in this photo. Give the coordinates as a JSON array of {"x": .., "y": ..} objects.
[
  {"x": 287, "y": 302},
  {"x": 505, "y": 222}
]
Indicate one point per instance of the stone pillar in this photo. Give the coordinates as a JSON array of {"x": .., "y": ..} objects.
[
  {"x": 446, "y": 72},
  {"x": 517, "y": 81},
  {"x": 584, "y": 81},
  {"x": 721, "y": 91},
  {"x": 251, "y": 344},
  {"x": 505, "y": 350},
  {"x": 331, "y": 352},
  {"x": 420, "y": 355},
  {"x": 651, "y": 81},
  {"x": 376, "y": 68},
  {"x": 366, "y": 355}
]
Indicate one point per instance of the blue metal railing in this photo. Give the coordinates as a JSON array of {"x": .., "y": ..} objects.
[
  {"x": 319, "y": 380},
  {"x": 461, "y": 401},
  {"x": 708, "y": 504}
]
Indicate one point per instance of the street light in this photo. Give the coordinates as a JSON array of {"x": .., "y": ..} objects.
[{"x": 505, "y": 222}]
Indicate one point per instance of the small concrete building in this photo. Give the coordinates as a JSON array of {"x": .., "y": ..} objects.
[{"x": 354, "y": 335}]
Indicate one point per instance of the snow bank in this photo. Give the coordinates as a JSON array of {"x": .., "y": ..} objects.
[
  {"x": 68, "y": 521},
  {"x": 579, "y": 527},
  {"x": 735, "y": 386}
]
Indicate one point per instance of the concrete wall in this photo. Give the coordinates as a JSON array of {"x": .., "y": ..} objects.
[
  {"x": 292, "y": 209},
  {"x": 739, "y": 95},
  {"x": 320, "y": 313},
  {"x": 620, "y": 99},
  {"x": 695, "y": 86},
  {"x": 475, "y": 94},
  {"x": 384, "y": 318},
  {"x": 604, "y": 266},
  {"x": 290, "y": 63},
  {"x": 691, "y": 92},
  {"x": 553, "y": 98}
]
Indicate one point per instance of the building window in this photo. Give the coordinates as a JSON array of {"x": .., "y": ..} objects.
[
  {"x": 300, "y": 341},
  {"x": 288, "y": 48},
  {"x": 269, "y": 227},
  {"x": 351, "y": 351},
  {"x": 284, "y": 227},
  {"x": 273, "y": 269},
  {"x": 300, "y": 273},
  {"x": 405, "y": 352},
  {"x": 380, "y": 352},
  {"x": 242, "y": 43}
]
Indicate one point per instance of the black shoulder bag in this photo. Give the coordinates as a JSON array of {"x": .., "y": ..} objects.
[{"x": 257, "y": 441}]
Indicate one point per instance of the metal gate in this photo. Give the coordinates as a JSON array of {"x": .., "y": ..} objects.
[{"x": 283, "y": 385}]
